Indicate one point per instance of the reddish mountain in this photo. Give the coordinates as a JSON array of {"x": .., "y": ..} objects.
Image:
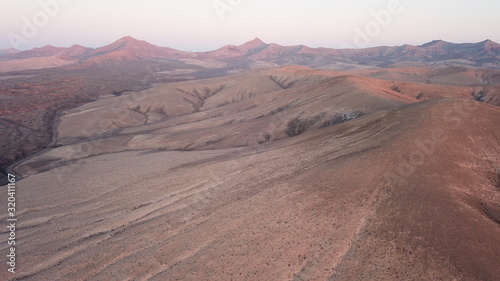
[
  {"x": 74, "y": 51},
  {"x": 231, "y": 51},
  {"x": 242, "y": 56},
  {"x": 130, "y": 47},
  {"x": 126, "y": 48},
  {"x": 7, "y": 52},
  {"x": 478, "y": 53},
  {"x": 45, "y": 51}
]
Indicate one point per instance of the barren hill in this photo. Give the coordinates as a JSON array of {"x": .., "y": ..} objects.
[
  {"x": 247, "y": 55},
  {"x": 229, "y": 107},
  {"x": 312, "y": 207},
  {"x": 132, "y": 48},
  {"x": 231, "y": 111}
]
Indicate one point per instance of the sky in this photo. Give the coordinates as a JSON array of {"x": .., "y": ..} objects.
[{"x": 203, "y": 25}]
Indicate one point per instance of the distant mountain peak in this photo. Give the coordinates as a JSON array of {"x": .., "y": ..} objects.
[
  {"x": 76, "y": 46},
  {"x": 434, "y": 43},
  {"x": 74, "y": 51},
  {"x": 129, "y": 39},
  {"x": 46, "y": 47},
  {"x": 253, "y": 43},
  {"x": 9, "y": 51},
  {"x": 257, "y": 40},
  {"x": 489, "y": 43}
]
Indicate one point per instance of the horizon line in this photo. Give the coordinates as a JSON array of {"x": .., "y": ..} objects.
[{"x": 256, "y": 38}]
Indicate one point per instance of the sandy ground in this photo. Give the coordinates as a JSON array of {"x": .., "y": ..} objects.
[
  {"x": 227, "y": 112},
  {"x": 34, "y": 63},
  {"x": 333, "y": 204}
]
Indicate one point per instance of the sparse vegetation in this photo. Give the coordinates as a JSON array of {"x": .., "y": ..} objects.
[
  {"x": 341, "y": 117},
  {"x": 119, "y": 92},
  {"x": 197, "y": 98},
  {"x": 214, "y": 141},
  {"x": 283, "y": 82},
  {"x": 280, "y": 109},
  {"x": 396, "y": 88},
  {"x": 231, "y": 121},
  {"x": 479, "y": 96},
  {"x": 268, "y": 138},
  {"x": 160, "y": 110},
  {"x": 223, "y": 104},
  {"x": 299, "y": 125},
  {"x": 496, "y": 178},
  {"x": 140, "y": 110},
  {"x": 241, "y": 96},
  {"x": 137, "y": 109}
]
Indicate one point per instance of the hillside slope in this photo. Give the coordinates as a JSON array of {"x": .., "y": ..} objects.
[
  {"x": 226, "y": 112},
  {"x": 405, "y": 193}
]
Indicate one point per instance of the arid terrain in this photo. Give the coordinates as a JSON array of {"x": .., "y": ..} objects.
[{"x": 253, "y": 162}]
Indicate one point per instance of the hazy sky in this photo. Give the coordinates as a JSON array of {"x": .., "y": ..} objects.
[{"x": 197, "y": 25}]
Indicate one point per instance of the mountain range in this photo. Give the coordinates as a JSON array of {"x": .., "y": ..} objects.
[{"x": 485, "y": 53}]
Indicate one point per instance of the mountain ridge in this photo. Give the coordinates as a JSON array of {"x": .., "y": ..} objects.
[{"x": 129, "y": 47}]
